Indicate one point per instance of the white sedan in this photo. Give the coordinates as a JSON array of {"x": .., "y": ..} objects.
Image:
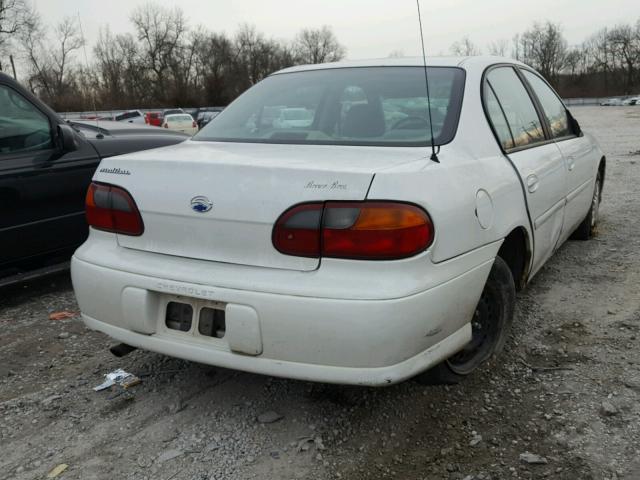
[
  {"x": 365, "y": 248},
  {"x": 180, "y": 122}
]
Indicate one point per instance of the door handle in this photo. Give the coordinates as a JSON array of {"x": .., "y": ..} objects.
[
  {"x": 532, "y": 183},
  {"x": 571, "y": 163}
]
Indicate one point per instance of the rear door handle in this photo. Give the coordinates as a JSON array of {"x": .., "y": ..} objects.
[
  {"x": 571, "y": 163},
  {"x": 532, "y": 183}
]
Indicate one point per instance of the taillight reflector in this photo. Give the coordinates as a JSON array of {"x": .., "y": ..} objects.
[
  {"x": 370, "y": 230},
  {"x": 112, "y": 209}
]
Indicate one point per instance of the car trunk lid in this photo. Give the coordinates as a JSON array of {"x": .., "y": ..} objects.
[{"x": 219, "y": 201}]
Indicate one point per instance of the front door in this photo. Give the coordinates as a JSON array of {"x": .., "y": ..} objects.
[{"x": 41, "y": 190}]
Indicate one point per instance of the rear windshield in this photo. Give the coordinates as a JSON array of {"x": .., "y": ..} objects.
[
  {"x": 384, "y": 106},
  {"x": 181, "y": 118}
]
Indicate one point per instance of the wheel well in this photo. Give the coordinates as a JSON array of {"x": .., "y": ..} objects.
[{"x": 516, "y": 252}]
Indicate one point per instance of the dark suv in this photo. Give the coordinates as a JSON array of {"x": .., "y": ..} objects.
[{"x": 46, "y": 165}]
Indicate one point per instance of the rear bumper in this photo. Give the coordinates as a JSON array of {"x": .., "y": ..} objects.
[
  {"x": 334, "y": 340},
  {"x": 376, "y": 376}
]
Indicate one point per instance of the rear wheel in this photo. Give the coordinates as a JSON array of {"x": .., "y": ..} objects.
[
  {"x": 587, "y": 228},
  {"x": 490, "y": 328}
]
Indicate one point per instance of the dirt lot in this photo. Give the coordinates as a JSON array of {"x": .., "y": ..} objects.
[{"x": 566, "y": 389}]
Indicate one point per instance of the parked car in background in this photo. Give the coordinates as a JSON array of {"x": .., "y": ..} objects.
[
  {"x": 172, "y": 111},
  {"x": 631, "y": 101},
  {"x": 206, "y": 117},
  {"x": 612, "y": 102},
  {"x": 116, "y": 138},
  {"x": 46, "y": 165},
  {"x": 362, "y": 248},
  {"x": 153, "y": 118},
  {"x": 200, "y": 114},
  {"x": 293, "y": 117},
  {"x": 180, "y": 122},
  {"x": 131, "y": 116}
]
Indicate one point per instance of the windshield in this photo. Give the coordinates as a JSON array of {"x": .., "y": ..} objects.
[{"x": 346, "y": 106}]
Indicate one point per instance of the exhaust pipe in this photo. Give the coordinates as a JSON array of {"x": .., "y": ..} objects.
[{"x": 122, "y": 349}]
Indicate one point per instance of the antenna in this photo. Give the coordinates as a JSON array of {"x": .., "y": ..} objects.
[
  {"x": 433, "y": 157},
  {"x": 86, "y": 65}
]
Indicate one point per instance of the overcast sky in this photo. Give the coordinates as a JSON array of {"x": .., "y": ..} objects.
[{"x": 367, "y": 28}]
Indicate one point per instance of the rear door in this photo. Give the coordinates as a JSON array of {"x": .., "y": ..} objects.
[
  {"x": 41, "y": 190},
  {"x": 579, "y": 153},
  {"x": 538, "y": 161}
]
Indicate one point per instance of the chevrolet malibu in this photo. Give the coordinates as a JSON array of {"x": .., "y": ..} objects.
[{"x": 383, "y": 239}]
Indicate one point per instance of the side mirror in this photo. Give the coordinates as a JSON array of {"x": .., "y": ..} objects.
[
  {"x": 67, "y": 138},
  {"x": 575, "y": 126}
]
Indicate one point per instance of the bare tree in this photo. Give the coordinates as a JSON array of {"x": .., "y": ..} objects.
[
  {"x": 13, "y": 14},
  {"x": 120, "y": 76},
  {"x": 318, "y": 46},
  {"x": 257, "y": 56},
  {"x": 160, "y": 31},
  {"x": 68, "y": 40},
  {"x": 50, "y": 61},
  {"x": 544, "y": 47},
  {"x": 574, "y": 61},
  {"x": 625, "y": 44},
  {"x": 32, "y": 38},
  {"x": 214, "y": 66},
  {"x": 464, "y": 48},
  {"x": 499, "y": 48}
]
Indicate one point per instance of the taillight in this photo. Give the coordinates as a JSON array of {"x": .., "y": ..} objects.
[
  {"x": 193, "y": 124},
  {"x": 297, "y": 231},
  {"x": 370, "y": 230},
  {"x": 112, "y": 209}
]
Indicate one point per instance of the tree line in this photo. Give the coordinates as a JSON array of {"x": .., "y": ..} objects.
[
  {"x": 164, "y": 61},
  {"x": 605, "y": 64}
]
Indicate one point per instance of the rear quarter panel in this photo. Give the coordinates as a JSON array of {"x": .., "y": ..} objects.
[{"x": 448, "y": 190}]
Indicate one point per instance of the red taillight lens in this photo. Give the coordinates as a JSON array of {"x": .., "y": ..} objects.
[
  {"x": 297, "y": 231},
  {"x": 372, "y": 230},
  {"x": 112, "y": 209},
  {"x": 194, "y": 124}
]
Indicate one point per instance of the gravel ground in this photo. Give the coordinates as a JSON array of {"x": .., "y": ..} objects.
[{"x": 561, "y": 402}]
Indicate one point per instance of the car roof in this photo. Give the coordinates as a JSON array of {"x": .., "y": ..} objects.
[{"x": 473, "y": 62}]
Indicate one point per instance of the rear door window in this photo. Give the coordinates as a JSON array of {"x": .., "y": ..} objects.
[
  {"x": 553, "y": 108},
  {"x": 521, "y": 115},
  {"x": 498, "y": 120}
]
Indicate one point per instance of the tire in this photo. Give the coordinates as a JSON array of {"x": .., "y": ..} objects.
[
  {"x": 491, "y": 323},
  {"x": 587, "y": 228}
]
